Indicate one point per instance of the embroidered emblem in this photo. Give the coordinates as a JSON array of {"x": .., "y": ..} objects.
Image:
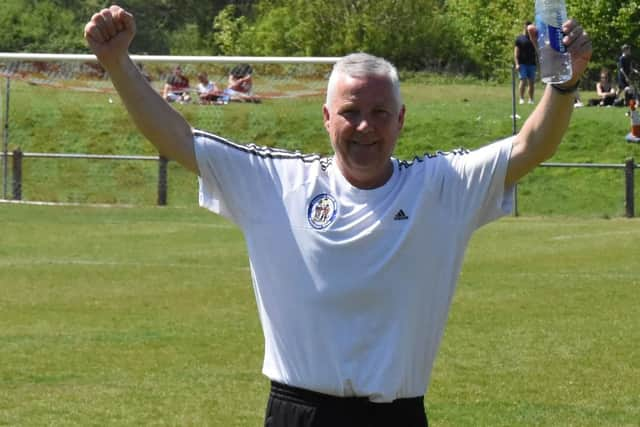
[
  {"x": 400, "y": 216},
  {"x": 322, "y": 211}
]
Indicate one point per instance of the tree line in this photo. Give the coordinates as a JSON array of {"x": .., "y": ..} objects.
[{"x": 472, "y": 37}]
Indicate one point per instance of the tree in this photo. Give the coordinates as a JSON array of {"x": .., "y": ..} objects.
[
  {"x": 38, "y": 27},
  {"x": 407, "y": 32},
  {"x": 464, "y": 36},
  {"x": 610, "y": 23},
  {"x": 488, "y": 29}
]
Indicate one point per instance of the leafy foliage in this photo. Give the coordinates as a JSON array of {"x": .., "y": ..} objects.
[
  {"x": 461, "y": 36},
  {"x": 410, "y": 33},
  {"x": 611, "y": 23},
  {"x": 23, "y": 20},
  {"x": 488, "y": 30}
]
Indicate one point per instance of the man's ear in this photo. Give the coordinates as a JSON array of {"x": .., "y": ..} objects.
[
  {"x": 403, "y": 110},
  {"x": 326, "y": 116}
]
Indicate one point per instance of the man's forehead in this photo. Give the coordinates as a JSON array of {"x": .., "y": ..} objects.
[{"x": 353, "y": 87}]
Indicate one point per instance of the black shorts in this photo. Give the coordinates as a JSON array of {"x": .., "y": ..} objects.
[{"x": 294, "y": 407}]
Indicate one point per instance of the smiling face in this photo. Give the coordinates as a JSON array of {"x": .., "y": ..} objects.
[{"x": 364, "y": 117}]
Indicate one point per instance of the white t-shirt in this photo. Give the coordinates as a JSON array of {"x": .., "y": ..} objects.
[
  {"x": 353, "y": 286},
  {"x": 209, "y": 87}
]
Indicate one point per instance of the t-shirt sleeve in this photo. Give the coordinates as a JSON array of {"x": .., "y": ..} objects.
[
  {"x": 474, "y": 184},
  {"x": 235, "y": 180}
]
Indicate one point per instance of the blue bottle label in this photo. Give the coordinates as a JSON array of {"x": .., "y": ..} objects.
[
  {"x": 555, "y": 39},
  {"x": 554, "y": 33}
]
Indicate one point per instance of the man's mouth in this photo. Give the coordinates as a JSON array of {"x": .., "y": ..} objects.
[{"x": 363, "y": 143}]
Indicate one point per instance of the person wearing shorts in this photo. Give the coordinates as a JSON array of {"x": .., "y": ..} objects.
[{"x": 525, "y": 62}]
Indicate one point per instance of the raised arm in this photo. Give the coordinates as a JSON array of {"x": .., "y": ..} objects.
[
  {"x": 109, "y": 34},
  {"x": 541, "y": 134}
]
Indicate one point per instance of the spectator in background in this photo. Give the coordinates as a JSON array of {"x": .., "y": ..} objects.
[
  {"x": 240, "y": 84},
  {"x": 176, "y": 88},
  {"x": 524, "y": 55},
  {"x": 606, "y": 92},
  {"x": 208, "y": 92},
  {"x": 625, "y": 69}
]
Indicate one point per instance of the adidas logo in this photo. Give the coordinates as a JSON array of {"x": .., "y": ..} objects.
[{"x": 400, "y": 216}]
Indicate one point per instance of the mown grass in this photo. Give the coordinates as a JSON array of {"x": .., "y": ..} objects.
[
  {"x": 441, "y": 116},
  {"x": 146, "y": 316}
]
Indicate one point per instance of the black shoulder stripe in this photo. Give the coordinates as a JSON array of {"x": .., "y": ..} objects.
[
  {"x": 426, "y": 156},
  {"x": 264, "y": 151}
]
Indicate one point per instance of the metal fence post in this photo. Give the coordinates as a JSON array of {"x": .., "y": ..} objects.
[
  {"x": 17, "y": 174},
  {"x": 162, "y": 181},
  {"x": 5, "y": 140},
  {"x": 629, "y": 169},
  {"x": 514, "y": 117}
]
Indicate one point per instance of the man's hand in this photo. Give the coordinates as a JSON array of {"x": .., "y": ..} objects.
[
  {"x": 578, "y": 45},
  {"x": 109, "y": 34},
  {"x": 541, "y": 134}
]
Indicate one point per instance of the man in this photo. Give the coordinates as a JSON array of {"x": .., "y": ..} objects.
[
  {"x": 524, "y": 55},
  {"x": 625, "y": 69},
  {"x": 354, "y": 300},
  {"x": 176, "y": 88}
]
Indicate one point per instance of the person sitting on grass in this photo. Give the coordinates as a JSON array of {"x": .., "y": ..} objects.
[
  {"x": 604, "y": 89},
  {"x": 240, "y": 84},
  {"x": 176, "y": 88},
  {"x": 208, "y": 92}
]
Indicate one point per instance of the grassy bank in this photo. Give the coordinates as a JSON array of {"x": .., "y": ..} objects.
[{"x": 440, "y": 117}]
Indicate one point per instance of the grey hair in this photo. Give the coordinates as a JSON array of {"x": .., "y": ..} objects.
[{"x": 363, "y": 65}]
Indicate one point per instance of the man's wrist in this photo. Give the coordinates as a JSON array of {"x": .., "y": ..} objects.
[{"x": 566, "y": 89}]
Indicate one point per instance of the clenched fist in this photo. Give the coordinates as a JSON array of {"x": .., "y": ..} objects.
[{"x": 109, "y": 34}]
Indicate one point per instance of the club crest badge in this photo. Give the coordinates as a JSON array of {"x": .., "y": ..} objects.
[{"x": 322, "y": 211}]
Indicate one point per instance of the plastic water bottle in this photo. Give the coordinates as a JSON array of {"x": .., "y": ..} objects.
[{"x": 555, "y": 61}]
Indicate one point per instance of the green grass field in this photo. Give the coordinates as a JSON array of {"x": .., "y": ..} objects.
[{"x": 145, "y": 316}]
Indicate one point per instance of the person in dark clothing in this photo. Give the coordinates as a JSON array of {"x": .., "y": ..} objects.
[
  {"x": 625, "y": 70},
  {"x": 524, "y": 55},
  {"x": 607, "y": 94}
]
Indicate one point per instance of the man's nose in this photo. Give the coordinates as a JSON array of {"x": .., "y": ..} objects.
[{"x": 364, "y": 124}]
